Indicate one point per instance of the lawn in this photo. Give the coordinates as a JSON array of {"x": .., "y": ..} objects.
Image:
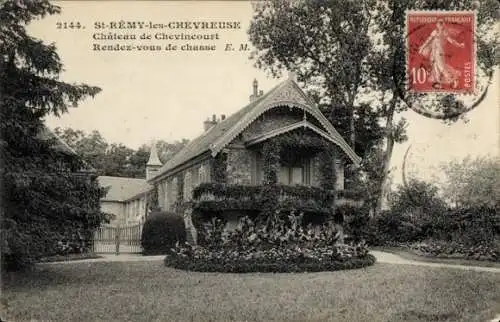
[
  {"x": 148, "y": 291},
  {"x": 69, "y": 257}
]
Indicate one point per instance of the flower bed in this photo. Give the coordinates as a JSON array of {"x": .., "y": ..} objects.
[
  {"x": 445, "y": 249},
  {"x": 277, "y": 245},
  {"x": 272, "y": 260}
]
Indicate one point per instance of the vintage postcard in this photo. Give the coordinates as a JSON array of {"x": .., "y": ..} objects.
[{"x": 249, "y": 160}]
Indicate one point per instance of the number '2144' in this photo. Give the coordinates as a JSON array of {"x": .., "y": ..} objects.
[{"x": 69, "y": 25}]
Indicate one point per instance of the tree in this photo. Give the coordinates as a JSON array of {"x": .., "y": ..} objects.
[
  {"x": 43, "y": 200},
  {"x": 116, "y": 159},
  {"x": 91, "y": 147},
  {"x": 167, "y": 150},
  {"x": 472, "y": 181},
  {"x": 342, "y": 50},
  {"x": 328, "y": 45},
  {"x": 137, "y": 162},
  {"x": 70, "y": 136}
]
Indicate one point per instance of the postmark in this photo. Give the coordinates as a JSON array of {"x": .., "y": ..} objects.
[{"x": 441, "y": 52}]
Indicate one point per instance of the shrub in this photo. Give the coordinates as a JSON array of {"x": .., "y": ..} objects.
[
  {"x": 417, "y": 196},
  {"x": 457, "y": 250},
  {"x": 471, "y": 225},
  {"x": 161, "y": 231},
  {"x": 356, "y": 222},
  {"x": 474, "y": 225},
  {"x": 416, "y": 213}
]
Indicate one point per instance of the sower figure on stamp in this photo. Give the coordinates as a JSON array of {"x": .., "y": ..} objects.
[{"x": 434, "y": 49}]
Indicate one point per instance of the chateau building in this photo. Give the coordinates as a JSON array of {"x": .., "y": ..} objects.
[
  {"x": 127, "y": 199},
  {"x": 230, "y": 156},
  {"x": 235, "y": 146}
]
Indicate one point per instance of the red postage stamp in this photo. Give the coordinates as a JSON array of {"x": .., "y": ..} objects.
[{"x": 440, "y": 51}]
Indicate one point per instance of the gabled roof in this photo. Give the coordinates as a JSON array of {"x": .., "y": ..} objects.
[
  {"x": 203, "y": 142},
  {"x": 220, "y": 135},
  {"x": 122, "y": 189}
]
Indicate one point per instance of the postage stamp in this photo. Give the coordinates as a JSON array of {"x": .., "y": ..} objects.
[{"x": 441, "y": 51}]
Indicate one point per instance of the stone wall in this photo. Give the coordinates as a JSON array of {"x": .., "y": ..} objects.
[{"x": 168, "y": 187}]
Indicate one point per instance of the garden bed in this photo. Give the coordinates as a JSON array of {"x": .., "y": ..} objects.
[
  {"x": 452, "y": 250},
  {"x": 269, "y": 261},
  {"x": 279, "y": 244},
  {"x": 446, "y": 250}
]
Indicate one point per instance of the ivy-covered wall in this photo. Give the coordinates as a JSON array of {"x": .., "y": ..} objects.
[
  {"x": 239, "y": 166},
  {"x": 218, "y": 168}
]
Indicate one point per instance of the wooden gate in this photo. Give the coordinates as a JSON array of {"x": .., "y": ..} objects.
[{"x": 121, "y": 239}]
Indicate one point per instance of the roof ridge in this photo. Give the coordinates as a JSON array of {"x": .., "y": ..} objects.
[
  {"x": 170, "y": 164},
  {"x": 225, "y": 131}
]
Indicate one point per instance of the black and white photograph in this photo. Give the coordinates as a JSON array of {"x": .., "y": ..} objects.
[{"x": 260, "y": 160}]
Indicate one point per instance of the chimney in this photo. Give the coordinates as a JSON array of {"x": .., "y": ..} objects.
[
  {"x": 207, "y": 125},
  {"x": 222, "y": 117}
]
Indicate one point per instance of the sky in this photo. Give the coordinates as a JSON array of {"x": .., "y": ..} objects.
[{"x": 167, "y": 94}]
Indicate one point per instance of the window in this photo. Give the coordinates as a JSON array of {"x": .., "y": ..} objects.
[
  {"x": 195, "y": 178},
  {"x": 292, "y": 175},
  {"x": 202, "y": 174},
  {"x": 289, "y": 174},
  {"x": 187, "y": 185},
  {"x": 257, "y": 175},
  {"x": 165, "y": 194},
  {"x": 173, "y": 192},
  {"x": 161, "y": 190}
]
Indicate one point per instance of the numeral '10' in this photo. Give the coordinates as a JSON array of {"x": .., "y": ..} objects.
[{"x": 419, "y": 75}]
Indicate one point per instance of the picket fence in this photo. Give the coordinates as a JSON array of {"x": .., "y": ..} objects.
[{"x": 118, "y": 240}]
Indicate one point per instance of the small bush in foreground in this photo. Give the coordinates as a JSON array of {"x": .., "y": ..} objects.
[{"x": 161, "y": 231}]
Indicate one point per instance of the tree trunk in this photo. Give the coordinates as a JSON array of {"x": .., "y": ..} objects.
[
  {"x": 352, "y": 142},
  {"x": 387, "y": 157},
  {"x": 352, "y": 129}
]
